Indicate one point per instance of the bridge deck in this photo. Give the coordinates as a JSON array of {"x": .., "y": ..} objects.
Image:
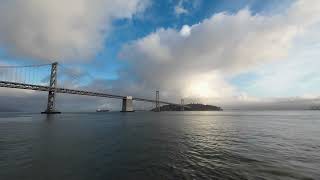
[{"x": 15, "y": 85}]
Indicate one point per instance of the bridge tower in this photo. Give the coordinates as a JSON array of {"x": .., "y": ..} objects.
[
  {"x": 127, "y": 104},
  {"x": 182, "y": 104},
  {"x": 157, "y": 101},
  {"x": 51, "y": 95}
]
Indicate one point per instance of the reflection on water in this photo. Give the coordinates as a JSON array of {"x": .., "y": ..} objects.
[{"x": 175, "y": 145}]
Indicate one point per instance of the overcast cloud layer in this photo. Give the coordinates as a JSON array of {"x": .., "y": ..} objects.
[
  {"x": 60, "y": 30},
  {"x": 51, "y": 30},
  {"x": 196, "y": 60}
]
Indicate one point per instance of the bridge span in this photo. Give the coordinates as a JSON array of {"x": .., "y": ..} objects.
[{"x": 52, "y": 89}]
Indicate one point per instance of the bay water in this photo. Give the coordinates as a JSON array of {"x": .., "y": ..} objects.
[{"x": 165, "y": 145}]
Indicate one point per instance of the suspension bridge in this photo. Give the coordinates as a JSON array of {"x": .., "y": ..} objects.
[{"x": 29, "y": 78}]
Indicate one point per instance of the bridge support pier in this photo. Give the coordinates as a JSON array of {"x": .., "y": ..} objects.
[
  {"x": 127, "y": 104},
  {"x": 52, "y": 92},
  {"x": 182, "y": 104},
  {"x": 157, "y": 102}
]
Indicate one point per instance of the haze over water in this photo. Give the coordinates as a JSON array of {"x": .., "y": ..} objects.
[{"x": 166, "y": 145}]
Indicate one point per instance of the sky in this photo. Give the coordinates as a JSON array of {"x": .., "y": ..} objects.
[{"x": 244, "y": 54}]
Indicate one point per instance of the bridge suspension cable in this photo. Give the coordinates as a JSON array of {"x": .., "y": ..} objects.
[
  {"x": 21, "y": 66},
  {"x": 71, "y": 77},
  {"x": 43, "y": 77},
  {"x": 28, "y": 74}
]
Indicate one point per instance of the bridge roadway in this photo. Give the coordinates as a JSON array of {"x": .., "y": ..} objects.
[{"x": 15, "y": 85}]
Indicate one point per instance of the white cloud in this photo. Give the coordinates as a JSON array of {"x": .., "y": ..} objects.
[
  {"x": 194, "y": 61},
  {"x": 60, "y": 30},
  {"x": 221, "y": 46},
  {"x": 297, "y": 75},
  {"x": 185, "y": 31},
  {"x": 179, "y": 9}
]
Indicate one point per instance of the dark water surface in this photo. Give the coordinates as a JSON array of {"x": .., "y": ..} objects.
[{"x": 146, "y": 145}]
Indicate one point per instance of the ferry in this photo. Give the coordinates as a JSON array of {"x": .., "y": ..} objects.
[{"x": 102, "y": 110}]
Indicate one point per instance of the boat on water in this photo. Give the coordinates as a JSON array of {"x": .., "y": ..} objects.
[{"x": 102, "y": 110}]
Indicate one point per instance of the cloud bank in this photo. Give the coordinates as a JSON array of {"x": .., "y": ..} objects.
[
  {"x": 197, "y": 60},
  {"x": 194, "y": 62},
  {"x": 179, "y": 9},
  {"x": 60, "y": 30}
]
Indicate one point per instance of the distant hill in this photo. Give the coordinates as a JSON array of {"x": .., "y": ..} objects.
[
  {"x": 314, "y": 108},
  {"x": 190, "y": 107}
]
